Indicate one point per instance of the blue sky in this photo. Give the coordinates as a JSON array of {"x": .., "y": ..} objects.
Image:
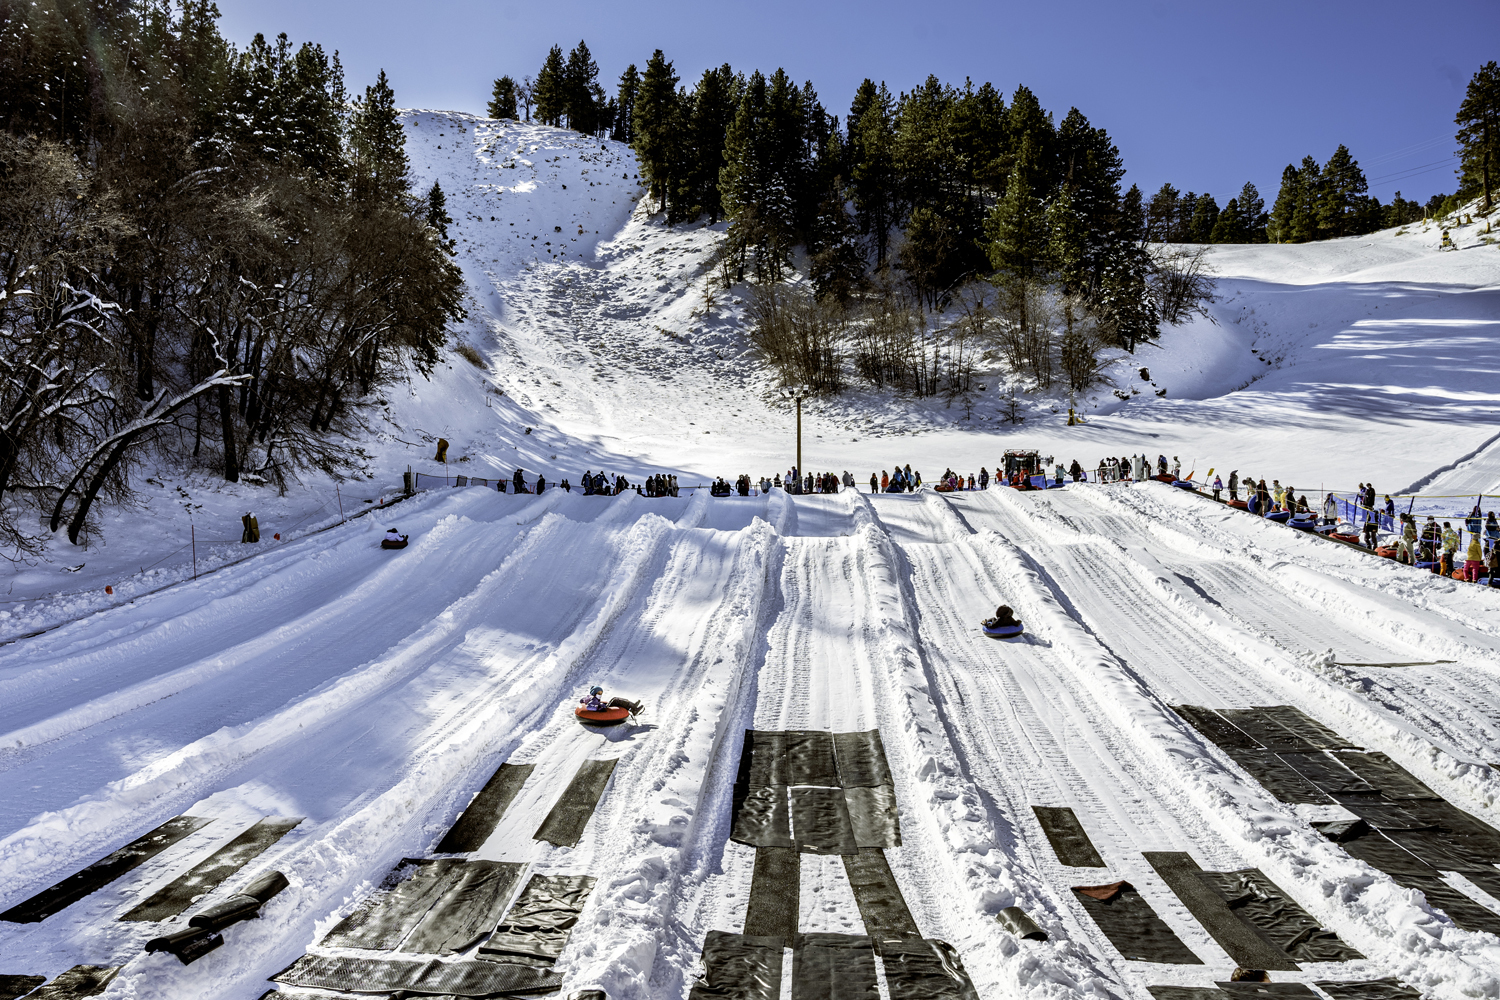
[{"x": 1204, "y": 95}]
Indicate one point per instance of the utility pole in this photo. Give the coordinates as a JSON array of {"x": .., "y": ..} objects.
[{"x": 796, "y": 393}]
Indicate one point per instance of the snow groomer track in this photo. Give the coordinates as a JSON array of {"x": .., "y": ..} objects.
[{"x": 334, "y": 770}]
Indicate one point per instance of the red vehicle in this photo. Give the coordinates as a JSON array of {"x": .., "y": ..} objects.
[{"x": 1020, "y": 465}]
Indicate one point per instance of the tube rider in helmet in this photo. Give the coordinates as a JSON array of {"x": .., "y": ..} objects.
[{"x": 595, "y": 702}]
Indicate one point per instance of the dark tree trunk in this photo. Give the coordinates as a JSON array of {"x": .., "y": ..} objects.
[{"x": 226, "y": 420}]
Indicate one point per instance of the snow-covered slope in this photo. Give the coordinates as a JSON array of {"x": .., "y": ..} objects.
[{"x": 373, "y": 693}]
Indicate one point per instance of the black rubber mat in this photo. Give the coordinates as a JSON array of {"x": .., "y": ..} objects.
[
  {"x": 1241, "y": 939},
  {"x": 1381, "y": 813},
  {"x": 1070, "y": 842},
  {"x": 861, "y": 760},
  {"x": 468, "y": 910},
  {"x": 881, "y": 905},
  {"x": 1132, "y": 926},
  {"x": 1371, "y": 989},
  {"x": 820, "y": 821},
  {"x": 809, "y": 759},
  {"x": 1268, "y": 991},
  {"x": 176, "y": 896},
  {"x": 762, "y": 817},
  {"x": 925, "y": 970},
  {"x": 1263, "y": 905},
  {"x": 479, "y": 818},
  {"x": 564, "y": 825},
  {"x": 1463, "y": 827},
  {"x": 1325, "y": 771},
  {"x": 1254, "y": 723},
  {"x": 1393, "y": 780},
  {"x": 541, "y": 919},
  {"x": 1278, "y": 777},
  {"x": 102, "y": 872},
  {"x": 1304, "y": 726},
  {"x": 1489, "y": 881},
  {"x": 763, "y": 759},
  {"x": 79, "y": 981},
  {"x": 382, "y": 922},
  {"x": 873, "y": 816},
  {"x": 14, "y": 987},
  {"x": 386, "y": 975},
  {"x": 1215, "y": 728},
  {"x": 775, "y": 894},
  {"x": 1187, "y": 993},
  {"x": 1463, "y": 911},
  {"x": 741, "y": 966},
  {"x": 1442, "y": 850},
  {"x": 1379, "y": 851},
  {"x": 833, "y": 967}
]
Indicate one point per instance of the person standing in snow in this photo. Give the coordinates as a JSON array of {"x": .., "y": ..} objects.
[
  {"x": 1372, "y": 531},
  {"x": 1491, "y": 532},
  {"x": 1450, "y": 549},
  {"x": 1474, "y": 561},
  {"x": 1494, "y": 565},
  {"x": 1176, "y": 467},
  {"x": 1330, "y": 509},
  {"x": 1218, "y": 487},
  {"x": 1234, "y": 484},
  {"x": 1076, "y": 471},
  {"x": 520, "y": 482}
]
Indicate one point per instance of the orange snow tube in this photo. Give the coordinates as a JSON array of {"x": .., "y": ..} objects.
[
  {"x": 1238, "y": 504},
  {"x": 604, "y": 717}
]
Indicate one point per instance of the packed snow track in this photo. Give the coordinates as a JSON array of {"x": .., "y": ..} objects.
[{"x": 1197, "y": 757}]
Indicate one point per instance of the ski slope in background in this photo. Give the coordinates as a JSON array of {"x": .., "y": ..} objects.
[{"x": 373, "y": 693}]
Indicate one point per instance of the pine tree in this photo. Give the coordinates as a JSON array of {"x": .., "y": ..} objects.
[
  {"x": 1252, "y": 212},
  {"x": 1478, "y": 119},
  {"x": 1205, "y": 214},
  {"x": 1028, "y": 124},
  {"x": 624, "y": 126},
  {"x": 378, "y": 145},
  {"x": 923, "y": 154},
  {"x": 582, "y": 97},
  {"x": 1279, "y": 223},
  {"x": 654, "y": 126},
  {"x": 1161, "y": 215},
  {"x": 714, "y": 103},
  {"x": 1229, "y": 227},
  {"x": 1019, "y": 241},
  {"x": 438, "y": 218},
  {"x": 550, "y": 92},
  {"x": 1182, "y": 228},
  {"x": 1341, "y": 196},
  {"x": 1304, "y": 228},
  {"x": 872, "y": 170},
  {"x": 503, "y": 99}
]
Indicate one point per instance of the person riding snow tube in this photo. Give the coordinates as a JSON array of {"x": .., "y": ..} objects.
[
  {"x": 1003, "y": 625},
  {"x": 595, "y": 711},
  {"x": 393, "y": 540}
]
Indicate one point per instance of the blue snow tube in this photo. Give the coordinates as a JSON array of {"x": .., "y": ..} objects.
[
  {"x": 1184, "y": 484},
  {"x": 1304, "y": 522},
  {"x": 1002, "y": 631},
  {"x": 1279, "y": 515}
]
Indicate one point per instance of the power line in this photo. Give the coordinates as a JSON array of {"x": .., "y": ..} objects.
[
  {"x": 1408, "y": 150},
  {"x": 1414, "y": 171}
]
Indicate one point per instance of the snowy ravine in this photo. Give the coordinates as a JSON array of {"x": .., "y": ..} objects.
[{"x": 372, "y": 693}]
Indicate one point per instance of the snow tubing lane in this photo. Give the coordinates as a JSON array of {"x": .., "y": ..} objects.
[
  {"x": 604, "y": 717},
  {"x": 104, "y": 871},
  {"x": 482, "y": 814},
  {"x": 564, "y": 825},
  {"x": 206, "y": 875}
]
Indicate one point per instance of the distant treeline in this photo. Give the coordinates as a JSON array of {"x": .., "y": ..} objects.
[{"x": 208, "y": 256}]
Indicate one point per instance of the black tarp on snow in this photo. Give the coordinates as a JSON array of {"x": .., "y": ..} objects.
[
  {"x": 775, "y": 890},
  {"x": 739, "y": 966},
  {"x": 1278, "y": 777},
  {"x": 539, "y": 922},
  {"x": 79, "y": 981},
  {"x": 1325, "y": 771},
  {"x": 1372, "y": 989},
  {"x": 1242, "y": 940},
  {"x": 1393, "y": 780},
  {"x": 564, "y": 825},
  {"x": 1187, "y": 993},
  {"x": 104, "y": 871},
  {"x": 881, "y": 905},
  {"x": 872, "y": 815},
  {"x": 1131, "y": 925},
  {"x": 861, "y": 760},
  {"x": 382, "y": 921},
  {"x": 1304, "y": 726},
  {"x": 1215, "y": 728},
  {"x": 1268, "y": 991},
  {"x": 762, "y": 817},
  {"x": 14, "y": 987},
  {"x": 177, "y": 895},
  {"x": 1462, "y": 910},
  {"x": 469, "y": 908},
  {"x": 1257, "y": 900},
  {"x": 483, "y": 813},
  {"x": 1070, "y": 842},
  {"x": 820, "y": 821},
  {"x": 925, "y": 970},
  {"x": 431, "y": 977},
  {"x": 833, "y": 967},
  {"x": 1265, "y": 731}
]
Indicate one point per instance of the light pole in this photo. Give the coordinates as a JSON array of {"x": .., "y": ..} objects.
[{"x": 796, "y": 393}]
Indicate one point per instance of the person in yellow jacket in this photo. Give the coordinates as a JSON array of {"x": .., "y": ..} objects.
[
  {"x": 1450, "y": 549},
  {"x": 1473, "y": 560}
]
